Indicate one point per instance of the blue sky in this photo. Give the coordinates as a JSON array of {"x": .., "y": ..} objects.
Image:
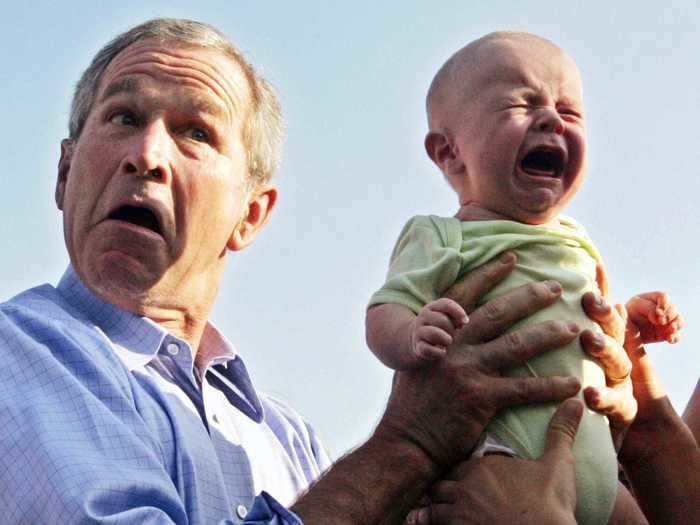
[{"x": 352, "y": 79}]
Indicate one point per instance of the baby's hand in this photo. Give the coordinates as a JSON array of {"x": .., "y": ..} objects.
[
  {"x": 434, "y": 328},
  {"x": 652, "y": 318}
]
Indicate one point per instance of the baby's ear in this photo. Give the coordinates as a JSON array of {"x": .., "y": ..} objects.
[{"x": 441, "y": 149}]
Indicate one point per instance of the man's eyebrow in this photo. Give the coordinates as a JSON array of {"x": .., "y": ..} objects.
[
  {"x": 199, "y": 105},
  {"x": 189, "y": 105},
  {"x": 123, "y": 85}
]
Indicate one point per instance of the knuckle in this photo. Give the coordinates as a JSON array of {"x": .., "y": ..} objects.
[
  {"x": 538, "y": 292},
  {"x": 494, "y": 311},
  {"x": 513, "y": 341}
]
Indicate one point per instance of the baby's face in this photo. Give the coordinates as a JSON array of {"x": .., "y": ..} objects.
[{"x": 520, "y": 132}]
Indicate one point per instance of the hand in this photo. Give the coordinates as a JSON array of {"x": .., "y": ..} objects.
[
  {"x": 443, "y": 408},
  {"x": 651, "y": 318},
  {"x": 616, "y": 399},
  {"x": 498, "y": 489},
  {"x": 434, "y": 328}
]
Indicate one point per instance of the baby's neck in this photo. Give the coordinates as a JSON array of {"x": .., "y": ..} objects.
[{"x": 475, "y": 212}]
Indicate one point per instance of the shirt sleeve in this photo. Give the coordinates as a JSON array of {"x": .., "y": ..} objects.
[
  {"x": 424, "y": 263},
  {"x": 267, "y": 511}
]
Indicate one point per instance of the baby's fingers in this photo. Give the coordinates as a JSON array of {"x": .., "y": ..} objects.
[
  {"x": 641, "y": 309},
  {"x": 432, "y": 342},
  {"x": 656, "y": 307},
  {"x": 452, "y": 309},
  {"x": 427, "y": 352}
]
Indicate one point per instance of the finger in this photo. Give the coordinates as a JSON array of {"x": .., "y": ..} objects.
[
  {"x": 494, "y": 317},
  {"x": 439, "y": 320},
  {"x": 609, "y": 354},
  {"x": 517, "y": 347},
  {"x": 611, "y": 320},
  {"x": 429, "y": 352},
  {"x": 419, "y": 516},
  {"x": 433, "y": 336},
  {"x": 656, "y": 297},
  {"x": 509, "y": 391},
  {"x": 468, "y": 290},
  {"x": 619, "y": 406},
  {"x": 640, "y": 309},
  {"x": 562, "y": 428},
  {"x": 644, "y": 378},
  {"x": 451, "y": 310}
]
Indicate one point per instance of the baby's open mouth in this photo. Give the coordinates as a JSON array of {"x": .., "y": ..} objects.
[
  {"x": 137, "y": 215},
  {"x": 544, "y": 162}
]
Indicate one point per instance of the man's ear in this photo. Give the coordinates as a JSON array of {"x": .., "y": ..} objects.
[
  {"x": 441, "y": 149},
  {"x": 63, "y": 169},
  {"x": 259, "y": 208}
]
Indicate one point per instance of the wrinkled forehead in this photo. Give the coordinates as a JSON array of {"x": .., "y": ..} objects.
[
  {"x": 519, "y": 61},
  {"x": 217, "y": 74}
]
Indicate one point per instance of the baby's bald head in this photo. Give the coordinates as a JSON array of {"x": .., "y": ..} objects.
[
  {"x": 505, "y": 114},
  {"x": 458, "y": 80}
]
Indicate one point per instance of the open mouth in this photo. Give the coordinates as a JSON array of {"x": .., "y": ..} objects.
[
  {"x": 136, "y": 215},
  {"x": 544, "y": 162}
]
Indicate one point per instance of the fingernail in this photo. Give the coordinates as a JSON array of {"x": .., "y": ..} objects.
[
  {"x": 507, "y": 258},
  {"x": 554, "y": 286},
  {"x": 572, "y": 408},
  {"x": 599, "y": 299},
  {"x": 573, "y": 384},
  {"x": 573, "y": 328},
  {"x": 599, "y": 341}
]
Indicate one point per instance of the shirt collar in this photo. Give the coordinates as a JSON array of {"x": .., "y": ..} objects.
[{"x": 137, "y": 340}]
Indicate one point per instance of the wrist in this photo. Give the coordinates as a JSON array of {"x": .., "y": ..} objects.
[
  {"x": 391, "y": 436},
  {"x": 657, "y": 431}
]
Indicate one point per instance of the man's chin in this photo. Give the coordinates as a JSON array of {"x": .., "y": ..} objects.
[{"x": 122, "y": 281}]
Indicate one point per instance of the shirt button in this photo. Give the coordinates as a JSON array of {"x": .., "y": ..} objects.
[
  {"x": 241, "y": 511},
  {"x": 172, "y": 349}
]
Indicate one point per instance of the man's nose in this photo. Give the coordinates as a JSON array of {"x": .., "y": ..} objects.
[
  {"x": 148, "y": 153},
  {"x": 549, "y": 121}
]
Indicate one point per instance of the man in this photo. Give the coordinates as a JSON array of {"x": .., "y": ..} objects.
[{"x": 122, "y": 404}]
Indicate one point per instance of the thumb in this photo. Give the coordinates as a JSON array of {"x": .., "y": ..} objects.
[{"x": 563, "y": 427}]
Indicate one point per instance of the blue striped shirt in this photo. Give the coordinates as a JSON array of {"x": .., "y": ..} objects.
[{"x": 105, "y": 419}]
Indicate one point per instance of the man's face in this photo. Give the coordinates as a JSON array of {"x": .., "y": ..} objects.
[
  {"x": 520, "y": 134},
  {"x": 155, "y": 189}
]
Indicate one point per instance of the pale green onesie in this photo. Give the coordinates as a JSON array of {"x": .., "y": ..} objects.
[{"x": 430, "y": 256}]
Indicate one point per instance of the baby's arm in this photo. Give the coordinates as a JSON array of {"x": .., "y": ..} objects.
[
  {"x": 652, "y": 318},
  {"x": 401, "y": 339}
]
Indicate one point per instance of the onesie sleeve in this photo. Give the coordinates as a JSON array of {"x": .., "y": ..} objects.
[{"x": 424, "y": 264}]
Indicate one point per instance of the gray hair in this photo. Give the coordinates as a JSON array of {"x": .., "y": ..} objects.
[{"x": 262, "y": 131}]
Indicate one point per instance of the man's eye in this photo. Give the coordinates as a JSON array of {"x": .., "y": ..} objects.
[
  {"x": 199, "y": 135},
  {"x": 124, "y": 118}
]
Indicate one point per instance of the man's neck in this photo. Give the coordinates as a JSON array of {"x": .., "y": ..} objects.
[{"x": 183, "y": 311}]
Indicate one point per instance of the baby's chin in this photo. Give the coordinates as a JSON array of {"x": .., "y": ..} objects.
[{"x": 474, "y": 211}]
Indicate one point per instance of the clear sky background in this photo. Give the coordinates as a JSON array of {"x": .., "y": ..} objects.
[{"x": 352, "y": 77}]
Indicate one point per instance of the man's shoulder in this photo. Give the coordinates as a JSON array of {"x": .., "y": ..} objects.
[
  {"x": 41, "y": 305},
  {"x": 40, "y": 326}
]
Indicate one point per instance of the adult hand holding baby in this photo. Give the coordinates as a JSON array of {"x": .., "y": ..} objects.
[
  {"x": 482, "y": 490},
  {"x": 436, "y": 413},
  {"x": 462, "y": 392}
]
